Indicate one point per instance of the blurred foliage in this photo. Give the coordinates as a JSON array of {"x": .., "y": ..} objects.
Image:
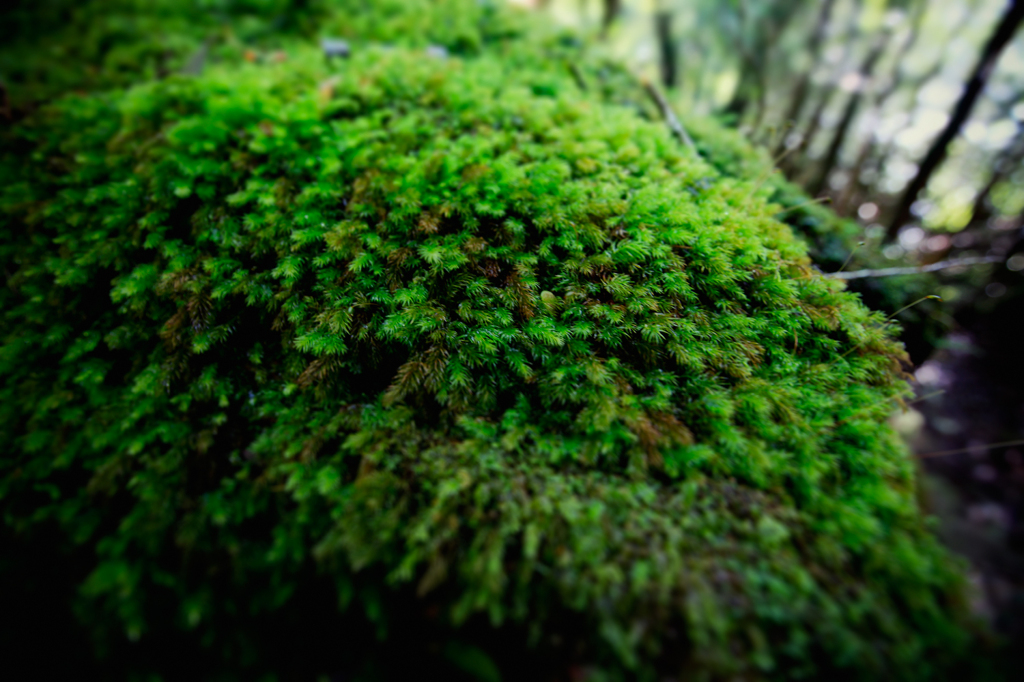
[
  {"x": 741, "y": 50},
  {"x": 788, "y": 74},
  {"x": 433, "y": 362}
]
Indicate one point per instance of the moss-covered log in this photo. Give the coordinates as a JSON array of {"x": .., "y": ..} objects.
[{"x": 376, "y": 365}]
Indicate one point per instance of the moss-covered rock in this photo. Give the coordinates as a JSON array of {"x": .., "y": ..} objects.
[{"x": 403, "y": 361}]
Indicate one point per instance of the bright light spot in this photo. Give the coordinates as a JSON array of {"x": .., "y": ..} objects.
[
  {"x": 893, "y": 251},
  {"x": 939, "y": 242},
  {"x": 908, "y": 423},
  {"x": 833, "y": 53},
  {"x": 867, "y": 211},
  {"x": 891, "y": 184},
  {"x": 1018, "y": 111},
  {"x": 902, "y": 169},
  {"x": 913, "y": 137},
  {"x": 950, "y": 293},
  {"x": 851, "y": 81},
  {"x": 1016, "y": 262},
  {"x": 975, "y": 132},
  {"x": 910, "y": 237},
  {"x": 891, "y": 125},
  {"x": 1001, "y": 132},
  {"x": 644, "y": 53},
  {"x": 930, "y": 374},
  {"x": 939, "y": 94},
  {"x": 954, "y": 210},
  {"x": 932, "y": 120},
  {"x": 893, "y": 18},
  {"x": 920, "y": 207},
  {"x": 725, "y": 84}
]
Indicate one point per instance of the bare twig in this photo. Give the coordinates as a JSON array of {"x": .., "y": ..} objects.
[
  {"x": 989, "y": 446},
  {"x": 670, "y": 116},
  {"x": 811, "y": 202},
  {"x": 914, "y": 270}
]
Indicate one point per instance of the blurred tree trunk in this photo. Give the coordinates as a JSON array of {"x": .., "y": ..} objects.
[
  {"x": 794, "y": 166},
  {"x": 737, "y": 106},
  {"x": 666, "y": 48},
  {"x": 882, "y": 156},
  {"x": 611, "y": 13},
  {"x": 865, "y": 74},
  {"x": 1001, "y": 36},
  {"x": 800, "y": 92},
  {"x": 1006, "y": 163},
  {"x": 868, "y": 146},
  {"x": 740, "y": 101},
  {"x": 754, "y": 41}
]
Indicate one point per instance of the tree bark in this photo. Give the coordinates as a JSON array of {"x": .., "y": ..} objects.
[
  {"x": 611, "y": 13},
  {"x": 667, "y": 48},
  {"x": 741, "y": 98},
  {"x": 1007, "y": 162},
  {"x": 791, "y": 167},
  {"x": 1005, "y": 29}
]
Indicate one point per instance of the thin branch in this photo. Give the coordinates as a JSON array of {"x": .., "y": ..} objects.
[
  {"x": 989, "y": 446},
  {"x": 914, "y": 270},
  {"x": 810, "y": 202},
  {"x": 670, "y": 116}
]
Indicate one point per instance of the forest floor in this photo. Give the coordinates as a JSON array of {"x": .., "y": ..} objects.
[{"x": 971, "y": 396}]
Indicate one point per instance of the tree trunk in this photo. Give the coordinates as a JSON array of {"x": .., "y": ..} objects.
[
  {"x": 611, "y": 13},
  {"x": 741, "y": 98},
  {"x": 1002, "y": 35},
  {"x": 762, "y": 95},
  {"x": 802, "y": 88},
  {"x": 1008, "y": 161},
  {"x": 854, "y": 184},
  {"x": 869, "y": 145},
  {"x": 666, "y": 48},
  {"x": 832, "y": 155},
  {"x": 791, "y": 166}
]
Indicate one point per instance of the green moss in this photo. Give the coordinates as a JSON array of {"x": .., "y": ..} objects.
[{"x": 501, "y": 369}]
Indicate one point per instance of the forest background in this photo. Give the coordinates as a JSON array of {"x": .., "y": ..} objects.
[{"x": 907, "y": 118}]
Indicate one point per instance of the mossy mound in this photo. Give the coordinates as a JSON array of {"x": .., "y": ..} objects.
[
  {"x": 51, "y": 47},
  {"x": 355, "y": 367}
]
